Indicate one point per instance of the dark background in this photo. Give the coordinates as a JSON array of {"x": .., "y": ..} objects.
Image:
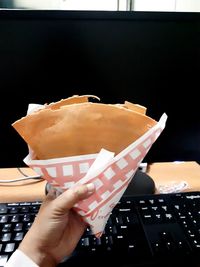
[{"x": 150, "y": 58}]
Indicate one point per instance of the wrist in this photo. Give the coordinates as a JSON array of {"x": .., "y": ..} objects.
[{"x": 37, "y": 255}]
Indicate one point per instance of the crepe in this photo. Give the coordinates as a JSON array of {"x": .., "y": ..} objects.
[{"x": 75, "y": 126}]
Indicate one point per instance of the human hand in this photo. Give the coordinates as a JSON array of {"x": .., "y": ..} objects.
[{"x": 57, "y": 228}]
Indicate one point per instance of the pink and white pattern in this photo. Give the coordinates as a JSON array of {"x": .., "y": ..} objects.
[{"x": 110, "y": 183}]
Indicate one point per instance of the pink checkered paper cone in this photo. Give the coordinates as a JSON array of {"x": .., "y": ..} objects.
[{"x": 110, "y": 174}]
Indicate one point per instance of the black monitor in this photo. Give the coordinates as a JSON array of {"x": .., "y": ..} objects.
[{"x": 150, "y": 58}]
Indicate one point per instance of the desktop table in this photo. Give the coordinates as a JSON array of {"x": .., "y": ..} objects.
[{"x": 165, "y": 175}]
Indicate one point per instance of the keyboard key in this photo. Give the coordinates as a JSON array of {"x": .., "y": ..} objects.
[
  {"x": 6, "y": 228},
  {"x": 10, "y": 247},
  {"x": 14, "y": 210},
  {"x": 3, "y": 260},
  {"x": 4, "y": 219},
  {"x": 18, "y": 227},
  {"x": 19, "y": 236},
  {"x": 6, "y": 237},
  {"x": 3, "y": 209}
]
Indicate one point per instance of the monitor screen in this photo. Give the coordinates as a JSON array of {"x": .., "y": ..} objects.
[{"x": 150, "y": 58}]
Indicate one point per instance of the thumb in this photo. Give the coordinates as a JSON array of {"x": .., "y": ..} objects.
[{"x": 70, "y": 197}]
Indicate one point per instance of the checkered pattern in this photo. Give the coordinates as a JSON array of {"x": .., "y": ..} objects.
[{"x": 64, "y": 174}]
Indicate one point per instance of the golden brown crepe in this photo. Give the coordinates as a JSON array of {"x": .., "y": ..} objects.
[{"x": 74, "y": 126}]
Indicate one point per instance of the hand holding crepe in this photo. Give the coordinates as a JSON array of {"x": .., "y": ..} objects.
[
  {"x": 75, "y": 126},
  {"x": 75, "y": 141}
]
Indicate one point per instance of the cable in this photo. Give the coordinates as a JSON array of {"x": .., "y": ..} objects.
[
  {"x": 26, "y": 177},
  {"x": 23, "y": 173},
  {"x": 143, "y": 167}
]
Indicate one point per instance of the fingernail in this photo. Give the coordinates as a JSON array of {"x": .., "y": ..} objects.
[
  {"x": 52, "y": 192},
  {"x": 90, "y": 187}
]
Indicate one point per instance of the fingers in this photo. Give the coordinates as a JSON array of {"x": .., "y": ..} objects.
[{"x": 72, "y": 196}]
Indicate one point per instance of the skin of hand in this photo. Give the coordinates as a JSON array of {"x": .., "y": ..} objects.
[{"x": 57, "y": 228}]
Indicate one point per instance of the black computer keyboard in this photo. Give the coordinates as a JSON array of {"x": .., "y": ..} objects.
[{"x": 151, "y": 230}]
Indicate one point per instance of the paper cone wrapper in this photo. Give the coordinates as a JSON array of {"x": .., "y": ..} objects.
[{"x": 111, "y": 175}]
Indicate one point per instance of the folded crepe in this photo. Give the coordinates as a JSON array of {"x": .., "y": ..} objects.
[{"x": 75, "y": 126}]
